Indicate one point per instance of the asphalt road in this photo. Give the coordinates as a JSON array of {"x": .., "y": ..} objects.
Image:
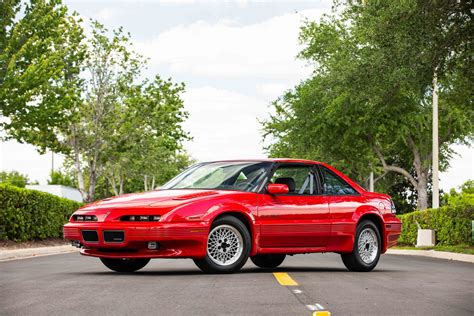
[{"x": 400, "y": 285}]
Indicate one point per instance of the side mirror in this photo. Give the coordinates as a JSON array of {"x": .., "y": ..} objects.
[{"x": 276, "y": 188}]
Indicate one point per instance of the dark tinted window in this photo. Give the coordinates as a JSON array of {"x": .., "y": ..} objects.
[
  {"x": 334, "y": 185},
  {"x": 298, "y": 178}
]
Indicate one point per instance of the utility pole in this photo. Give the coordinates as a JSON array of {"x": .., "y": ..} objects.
[
  {"x": 52, "y": 162},
  {"x": 435, "y": 167}
]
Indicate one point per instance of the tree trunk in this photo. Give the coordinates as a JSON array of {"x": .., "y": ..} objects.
[
  {"x": 77, "y": 163},
  {"x": 422, "y": 190},
  {"x": 114, "y": 185},
  {"x": 420, "y": 184},
  {"x": 121, "y": 180}
]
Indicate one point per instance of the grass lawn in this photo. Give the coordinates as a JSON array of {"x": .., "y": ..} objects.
[{"x": 467, "y": 249}]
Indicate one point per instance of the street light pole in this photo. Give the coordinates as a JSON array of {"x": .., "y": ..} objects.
[{"x": 435, "y": 167}]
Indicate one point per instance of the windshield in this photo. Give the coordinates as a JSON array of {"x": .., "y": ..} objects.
[{"x": 239, "y": 176}]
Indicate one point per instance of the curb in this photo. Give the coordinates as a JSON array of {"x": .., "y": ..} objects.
[
  {"x": 433, "y": 254},
  {"x": 15, "y": 254}
]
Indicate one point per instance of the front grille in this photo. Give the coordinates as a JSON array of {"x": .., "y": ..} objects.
[
  {"x": 90, "y": 235},
  {"x": 113, "y": 236}
]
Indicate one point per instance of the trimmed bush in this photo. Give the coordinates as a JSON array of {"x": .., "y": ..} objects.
[
  {"x": 29, "y": 214},
  {"x": 452, "y": 222}
]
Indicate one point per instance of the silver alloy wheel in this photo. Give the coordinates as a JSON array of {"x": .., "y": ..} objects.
[
  {"x": 368, "y": 245},
  {"x": 225, "y": 245}
]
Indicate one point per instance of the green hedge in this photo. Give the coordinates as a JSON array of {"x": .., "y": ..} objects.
[
  {"x": 452, "y": 222},
  {"x": 29, "y": 214}
]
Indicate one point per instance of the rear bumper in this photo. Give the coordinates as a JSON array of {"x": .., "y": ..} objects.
[{"x": 174, "y": 239}]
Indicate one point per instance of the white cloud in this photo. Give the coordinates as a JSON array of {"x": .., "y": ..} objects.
[
  {"x": 106, "y": 14},
  {"x": 224, "y": 124},
  {"x": 265, "y": 50},
  {"x": 272, "y": 91}
]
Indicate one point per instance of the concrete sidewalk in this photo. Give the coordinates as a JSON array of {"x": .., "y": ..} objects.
[
  {"x": 433, "y": 254},
  {"x": 13, "y": 254}
]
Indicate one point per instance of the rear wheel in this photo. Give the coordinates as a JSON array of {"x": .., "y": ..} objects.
[
  {"x": 228, "y": 246},
  {"x": 124, "y": 265},
  {"x": 269, "y": 261},
  {"x": 367, "y": 247}
]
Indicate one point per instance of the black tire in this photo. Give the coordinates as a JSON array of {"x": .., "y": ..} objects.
[
  {"x": 207, "y": 264},
  {"x": 124, "y": 265},
  {"x": 269, "y": 261},
  {"x": 353, "y": 261}
]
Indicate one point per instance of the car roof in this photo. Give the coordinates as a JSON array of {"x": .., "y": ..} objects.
[{"x": 289, "y": 160}]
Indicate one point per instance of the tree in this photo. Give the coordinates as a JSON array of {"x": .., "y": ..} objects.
[
  {"x": 14, "y": 178},
  {"x": 123, "y": 128},
  {"x": 367, "y": 106},
  {"x": 84, "y": 97},
  {"x": 41, "y": 52},
  {"x": 150, "y": 152}
]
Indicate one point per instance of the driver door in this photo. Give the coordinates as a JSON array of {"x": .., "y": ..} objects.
[{"x": 299, "y": 218}]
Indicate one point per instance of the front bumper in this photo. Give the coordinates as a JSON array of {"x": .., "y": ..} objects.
[{"x": 186, "y": 240}]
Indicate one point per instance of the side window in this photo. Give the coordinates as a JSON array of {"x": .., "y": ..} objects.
[
  {"x": 334, "y": 185},
  {"x": 298, "y": 178}
]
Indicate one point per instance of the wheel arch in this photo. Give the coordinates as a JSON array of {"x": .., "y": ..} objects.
[
  {"x": 378, "y": 221},
  {"x": 246, "y": 220}
]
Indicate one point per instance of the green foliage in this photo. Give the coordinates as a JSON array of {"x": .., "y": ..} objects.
[
  {"x": 58, "y": 177},
  {"x": 41, "y": 52},
  {"x": 452, "y": 222},
  {"x": 367, "y": 106},
  {"x": 14, "y": 178},
  {"x": 86, "y": 98},
  {"x": 28, "y": 214},
  {"x": 125, "y": 130}
]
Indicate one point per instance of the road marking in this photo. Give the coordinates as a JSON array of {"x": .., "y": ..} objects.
[
  {"x": 322, "y": 313},
  {"x": 284, "y": 279}
]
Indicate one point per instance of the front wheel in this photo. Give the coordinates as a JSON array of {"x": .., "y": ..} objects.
[
  {"x": 269, "y": 261},
  {"x": 124, "y": 265},
  {"x": 228, "y": 246},
  {"x": 367, "y": 247}
]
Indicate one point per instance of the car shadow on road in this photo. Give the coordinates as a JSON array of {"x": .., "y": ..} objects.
[{"x": 184, "y": 272}]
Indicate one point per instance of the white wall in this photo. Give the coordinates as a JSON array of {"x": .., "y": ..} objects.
[{"x": 59, "y": 190}]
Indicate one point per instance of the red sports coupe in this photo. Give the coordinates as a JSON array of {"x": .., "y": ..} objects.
[{"x": 221, "y": 213}]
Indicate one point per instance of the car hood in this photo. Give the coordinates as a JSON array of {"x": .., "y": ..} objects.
[{"x": 159, "y": 198}]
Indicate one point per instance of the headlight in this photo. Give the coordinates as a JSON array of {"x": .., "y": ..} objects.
[
  {"x": 85, "y": 218},
  {"x": 140, "y": 218}
]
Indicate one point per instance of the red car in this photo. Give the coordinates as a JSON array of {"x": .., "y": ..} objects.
[{"x": 221, "y": 213}]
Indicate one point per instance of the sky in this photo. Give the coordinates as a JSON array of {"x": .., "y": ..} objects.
[{"x": 235, "y": 59}]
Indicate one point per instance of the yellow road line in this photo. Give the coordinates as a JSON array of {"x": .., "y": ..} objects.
[
  {"x": 284, "y": 279},
  {"x": 322, "y": 313}
]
